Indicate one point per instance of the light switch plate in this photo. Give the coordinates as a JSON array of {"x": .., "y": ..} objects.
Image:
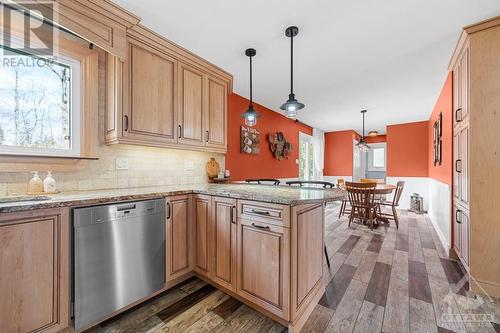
[
  {"x": 296, "y": 161},
  {"x": 121, "y": 163}
]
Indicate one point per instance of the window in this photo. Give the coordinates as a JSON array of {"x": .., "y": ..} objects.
[
  {"x": 378, "y": 157},
  {"x": 39, "y": 105},
  {"x": 306, "y": 157}
]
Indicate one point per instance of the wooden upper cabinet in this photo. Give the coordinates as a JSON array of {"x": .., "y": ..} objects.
[
  {"x": 223, "y": 242},
  {"x": 163, "y": 96},
  {"x": 216, "y": 113},
  {"x": 151, "y": 112},
  {"x": 178, "y": 238},
  {"x": 34, "y": 272},
  {"x": 461, "y": 87},
  {"x": 191, "y": 105}
]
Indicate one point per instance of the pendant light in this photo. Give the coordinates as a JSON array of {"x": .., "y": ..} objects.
[
  {"x": 362, "y": 143},
  {"x": 250, "y": 115},
  {"x": 292, "y": 105}
]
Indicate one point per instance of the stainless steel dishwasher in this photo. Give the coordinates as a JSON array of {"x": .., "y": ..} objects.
[{"x": 118, "y": 257}]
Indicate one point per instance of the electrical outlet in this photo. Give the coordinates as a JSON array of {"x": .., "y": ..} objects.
[
  {"x": 121, "y": 163},
  {"x": 296, "y": 161}
]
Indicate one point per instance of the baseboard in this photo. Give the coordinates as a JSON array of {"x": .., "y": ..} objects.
[
  {"x": 484, "y": 288},
  {"x": 442, "y": 239}
]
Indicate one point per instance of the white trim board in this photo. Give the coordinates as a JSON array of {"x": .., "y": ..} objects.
[{"x": 440, "y": 210}]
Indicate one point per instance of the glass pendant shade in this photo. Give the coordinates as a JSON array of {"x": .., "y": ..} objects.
[
  {"x": 250, "y": 116},
  {"x": 291, "y": 107}
]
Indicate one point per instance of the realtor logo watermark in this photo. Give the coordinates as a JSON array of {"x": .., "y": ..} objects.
[{"x": 27, "y": 29}]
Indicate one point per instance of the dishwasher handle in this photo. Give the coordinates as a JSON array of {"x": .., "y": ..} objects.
[{"x": 126, "y": 207}]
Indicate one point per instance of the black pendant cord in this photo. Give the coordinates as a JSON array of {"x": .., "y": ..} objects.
[
  {"x": 251, "y": 84},
  {"x": 291, "y": 65}
]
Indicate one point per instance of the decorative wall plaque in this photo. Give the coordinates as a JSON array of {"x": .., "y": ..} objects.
[
  {"x": 250, "y": 141},
  {"x": 279, "y": 146}
]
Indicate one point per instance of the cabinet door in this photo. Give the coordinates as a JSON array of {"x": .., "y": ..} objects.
[
  {"x": 34, "y": 271},
  {"x": 150, "y": 111},
  {"x": 216, "y": 113},
  {"x": 464, "y": 165},
  {"x": 202, "y": 207},
  {"x": 191, "y": 106},
  {"x": 223, "y": 242},
  {"x": 263, "y": 268},
  {"x": 178, "y": 242},
  {"x": 456, "y": 92},
  {"x": 464, "y": 237},
  {"x": 464, "y": 86},
  {"x": 457, "y": 179}
]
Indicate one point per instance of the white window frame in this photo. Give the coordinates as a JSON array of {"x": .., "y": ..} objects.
[
  {"x": 370, "y": 166},
  {"x": 309, "y": 139},
  {"x": 74, "y": 116}
]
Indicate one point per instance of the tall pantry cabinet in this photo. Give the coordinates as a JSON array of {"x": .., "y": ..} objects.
[{"x": 476, "y": 153}]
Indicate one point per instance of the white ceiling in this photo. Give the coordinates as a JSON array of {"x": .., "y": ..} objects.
[{"x": 389, "y": 56}]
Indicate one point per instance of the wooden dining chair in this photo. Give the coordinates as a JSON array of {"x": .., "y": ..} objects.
[
  {"x": 262, "y": 181},
  {"x": 362, "y": 200},
  {"x": 344, "y": 209},
  {"x": 393, "y": 215}
]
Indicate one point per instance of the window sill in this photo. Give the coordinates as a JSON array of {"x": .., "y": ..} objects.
[{"x": 24, "y": 163}]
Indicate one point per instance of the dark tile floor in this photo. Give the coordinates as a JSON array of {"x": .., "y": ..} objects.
[{"x": 386, "y": 280}]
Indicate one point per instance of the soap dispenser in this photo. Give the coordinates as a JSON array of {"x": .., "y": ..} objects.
[
  {"x": 49, "y": 183},
  {"x": 35, "y": 184}
]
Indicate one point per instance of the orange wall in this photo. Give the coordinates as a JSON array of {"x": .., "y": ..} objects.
[
  {"x": 338, "y": 153},
  {"x": 444, "y": 104},
  {"x": 407, "y": 150},
  {"x": 264, "y": 165}
]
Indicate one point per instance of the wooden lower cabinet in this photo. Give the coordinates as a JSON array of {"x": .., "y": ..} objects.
[
  {"x": 178, "y": 238},
  {"x": 223, "y": 242},
  {"x": 34, "y": 271},
  {"x": 461, "y": 233},
  {"x": 263, "y": 266},
  {"x": 202, "y": 210}
]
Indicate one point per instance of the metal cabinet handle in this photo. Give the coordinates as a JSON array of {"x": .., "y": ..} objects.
[
  {"x": 259, "y": 212},
  {"x": 456, "y": 166},
  {"x": 261, "y": 227},
  {"x": 125, "y": 117},
  {"x": 168, "y": 210},
  {"x": 179, "y": 135},
  {"x": 457, "y": 213},
  {"x": 208, "y": 136},
  {"x": 456, "y": 115},
  {"x": 233, "y": 214}
]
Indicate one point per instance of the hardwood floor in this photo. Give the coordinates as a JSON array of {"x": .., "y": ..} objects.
[{"x": 386, "y": 280}]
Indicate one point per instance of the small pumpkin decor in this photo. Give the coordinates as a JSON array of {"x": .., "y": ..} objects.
[
  {"x": 212, "y": 168},
  {"x": 279, "y": 146}
]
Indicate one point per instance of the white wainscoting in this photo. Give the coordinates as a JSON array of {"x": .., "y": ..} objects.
[
  {"x": 418, "y": 185},
  {"x": 440, "y": 210},
  {"x": 333, "y": 179}
]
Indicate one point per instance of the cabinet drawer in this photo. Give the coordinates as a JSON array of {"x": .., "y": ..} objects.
[{"x": 264, "y": 212}]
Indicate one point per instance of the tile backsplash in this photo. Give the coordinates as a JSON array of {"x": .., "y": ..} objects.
[{"x": 148, "y": 166}]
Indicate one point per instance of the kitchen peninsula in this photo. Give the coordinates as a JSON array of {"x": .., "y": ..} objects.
[{"x": 260, "y": 244}]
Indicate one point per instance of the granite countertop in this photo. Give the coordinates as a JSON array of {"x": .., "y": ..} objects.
[{"x": 274, "y": 194}]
